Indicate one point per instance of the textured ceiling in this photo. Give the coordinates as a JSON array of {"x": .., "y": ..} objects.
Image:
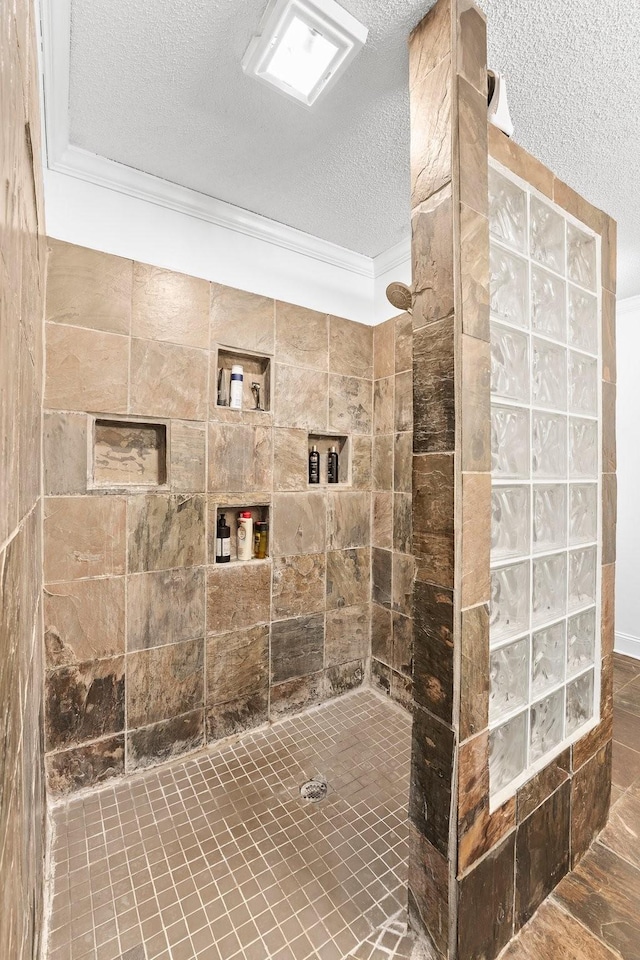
[{"x": 159, "y": 87}]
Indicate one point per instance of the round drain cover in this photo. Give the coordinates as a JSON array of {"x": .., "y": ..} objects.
[{"x": 314, "y": 790}]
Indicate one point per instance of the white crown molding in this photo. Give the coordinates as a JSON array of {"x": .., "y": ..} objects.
[
  {"x": 627, "y": 644},
  {"x": 628, "y": 305},
  {"x": 63, "y": 157}
]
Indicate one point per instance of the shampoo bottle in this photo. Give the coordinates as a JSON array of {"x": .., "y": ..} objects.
[
  {"x": 223, "y": 541},
  {"x": 314, "y": 465},
  {"x": 332, "y": 465},
  {"x": 235, "y": 387},
  {"x": 245, "y": 535}
]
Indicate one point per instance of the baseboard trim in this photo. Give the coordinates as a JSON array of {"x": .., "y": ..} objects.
[{"x": 628, "y": 645}]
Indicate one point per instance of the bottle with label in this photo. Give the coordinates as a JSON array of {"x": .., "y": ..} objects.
[
  {"x": 314, "y": 465},
  {"x": 332, "y": 465},
  {"x": 223, "y": 541},
  {"x": 235, "y": 387},
  {"x": 245, "y": 535},
  {"x": 262, "y": 534}
]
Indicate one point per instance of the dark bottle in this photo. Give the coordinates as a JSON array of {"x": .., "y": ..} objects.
[
  {"x": 223, "y": 541},
  {"x": 314, "y": 465},
  {"x": 332, "y": 465}
]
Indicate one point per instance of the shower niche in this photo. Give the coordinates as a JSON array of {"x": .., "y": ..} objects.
[
  {"x": 256, "y": 386},
  {"x": 127, "y": 453}
]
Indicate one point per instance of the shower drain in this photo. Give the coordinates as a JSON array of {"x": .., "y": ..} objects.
[{"x": 314, "y": 790}]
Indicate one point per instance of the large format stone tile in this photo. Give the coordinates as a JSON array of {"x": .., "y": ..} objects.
[
  {"x": 381, "y": 634},
  {"x": 431, "y": 135},
  {"x": 433, "y": 388},
  {"x": 343, "y": 677},
  {"x": 590, "y": 798},
  {"x": 84, "y": 537},
  {"x": 85, "y": 766},
  {"x": 361, "y": 463},
  {"x": 433, "y": 530},
  {"x": 383, "y": 392},
  {"x": 84, "y": 702},
  {"x": 348, "y": 519},
  {"x": 485, "y": 904},
  {"x": 299, "y": 524},
  {"x": 165, "y": 740},
  {"x": 164, "y": 607},
  {"x": 348, "y": 577},
  {"x": 555, "y": 933},
  {"x": 382, "y": 473},
  {"x": 242, "y": 320},
  {"x": 238, "y": 665},
  {"x": 88, "y": 288},
  {"x": 164, "y": 682},
  {"x": 350, "y": 348},
  {"x": 169, "y": 306},
  {"x": 290, "y": 460},
  {"x": 431, "y": 778},
  {"x": 165, "y": 531},
  {"x": 168, "y": 380},
  {"x": 403, "y": 343},
  {"x": 298, "y": 585},
  {"x": 402, "y": 462},
  {"x": 542, "y": 853},
  {"x": 382, "y": 519},
  {"x": 433, "y": 259},
  {"x": 234, "y": 716},
  {"x": 301, "y": 398},
  {"x": 297, "y": 647},
  {"x": 240, "y": 458},
  {"x": 187, "y": 458},
  {"x": 64, "y": 454},
  {"x": 433, "y": 649},
  {"x": 84, "y": 620},
  {"x": 381, "y": 576},
  {"x": 238, "y": 596},
  {"x": 347, "y": 634},
  {"x": 297, "y": 694},
  {"x": 302, "y": 336},
  {"x": 350, "y": 405},
  {"x": 476, "y": 538},
  {"x": 384, "y": 349},
  {"x": 474, "y": 670},
  {"x": 86, "y": 370},
  {"x": 430, "y": 41},
  {"x": 474, "y": 268},
  {"x": 402, "y": 523}
]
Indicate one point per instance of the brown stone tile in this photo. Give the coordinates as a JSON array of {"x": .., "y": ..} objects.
[
  {"x": 347, "y": 634},
  {"x": 429, "y": 890},
  {"x": 361, "y": 463},
  {"x": 238, "y": 596},
  {"x": 164, "y": 607},
  {"x": 403, "y": 645},
  {"x": 381, "y": 576},
  {"x": 621, "y": 832},
  {"x": 350, "y": 405},
  {"x": 301, "y": 398},
  {"x": 242, "y": 320},
  {"x": 290, "y": 459},
  {"x": 473, "y": 148},
  {"x": 542, "y": 853},
  {"x": 86, "y": 370},
  {"x": 29, "y": 432},
  {"x": 433, "y": 649},
  {"x": 348, "y": 577},
  {"x": 402, "y": 525},
  {"x": 164, "y": 682},
  {"x": 88, "y": 288},
  {"x": 299, "y": 524},
  {"x": 475, "y": 405},
  {"x": 403, "y": 343},
  {"x": 472, "y": 45},
  {"x": 476, "y": 538},
  {"x": 383, "y": 390},
  {"x": 590, "y": 798},
  {"x": 234, "y": 716},
  {"x": 302, "y": 336},
  {"x": 627, "y": 699},
  {"x": 402, "y": 462},
  {"x": 591, "y": 742},
  {"x": 169, "y": 306},
  {"x": 348, "y": 519},
  {"x": 84, "y": 537},
  {"x": 608, "y": 427},
  {"x": 433, "y": 388},
  {"x": 555, "y": 933},
  {"x": 165, "y": 531},
  {"x": 187, "y": 458},
  {"x": 431, "y": 777},
  {"x": 608, "y": 600},
  {"x": 240, "y": 458},
  {"x": 474, "y": 671},
  {"x": 343, "y": 677},
  {"x": 609, "y": 512},
  {"x": 485, "y": 904},
  {"x": 384, "y": 349},
  {"x": 433, "y": 258},
  {"x": 515, "y": 158},
  {"x": 430, "y": 42},
  {"x": 381, "y": 677},
  {"x": 85, "y": 766},
  {"x": 165, "y": 740},
  {"x": 536, "y": 790},
  {"x": 297, "y": 647},
  {"x": 295, "y": 695},
  {"x": 433, "y": 532},
  {"x": 403, "y": 404},
  {"x": 381, "y": 634},
  {"x": 382, "y": 476},
  {"x": 431, "y": 134},
  {"x": 608, "y": 336},
  {"x": 168, "y": 380},
  {"x": 84, "y": 620},
  {"x": 577, "y": 206},
  {"x": 298, "y": 585},
  {"x": 474, "y": 271},
  {"x": 84, "y": 702},
  {"x": 350, "y": 348},
  {"x": 402, "y": 583},
  {"x": 625, "y": 669},
  {"x": 382, "y": 520},
  {"x": 238, "y": 665}
]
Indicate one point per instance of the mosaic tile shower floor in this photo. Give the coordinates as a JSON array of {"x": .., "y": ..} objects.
[{"x": 218, "y": 857}]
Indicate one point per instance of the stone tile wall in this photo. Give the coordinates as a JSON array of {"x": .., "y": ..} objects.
[
  {"x": 151, "y": 649},
  {"x": 22, "y": 283}
]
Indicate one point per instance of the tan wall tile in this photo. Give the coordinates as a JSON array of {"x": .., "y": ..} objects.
[
  {"x": 434, "y": 388},
  {"x": 429, "y": 42},
  {"x": 88, "y": 288},
  {"x": 608, "y": 336},
  {"x": 244, "y": 321},
  {"x": 164, "y": 607},
  {"x": 403, "y": 402},
  {"x": 84, "y": 620},
  {"x": 350, "y": 403},
  {"x": 64, "y": 453},
  {"x": 350, "y": 348},
  {"x": 474, "y": 671},
  {"x": 472, "y": 144},
  {"x": 348, "y": 519},
  {"x": 433, "y": 258},
  {"x": 404, "y": 343},
  {"x": 402, "y": 462},
  {"x": 84, "y": 537},
  {"x": 472, "y": 46},
  {"x": 475, "y": 454},
  {"x": 188, "y": 462},
  {"x": 383, "y": 392},
  {"x": 515, "y": 158},
  {"x": 237, "y": 664},
  {"x": 431, "y": 139},
  {"x": 476, "y": 538},
  {"x": 348, "y": 577},
  {"x": 609, "y": 459},
  {"x": 382, "y": 475},
  {"x": 384, "y": 349},
  {"x": 238, "y": 596},
  {"x": 382, "y": 519},
  {"x": 361, "y": 462},
  {"x": 240, "y": 458},
  {"x": 302, "y": 336},
  {"x": 301, "y": 398},
  {"x": 169, "y": 306},
  {"x": 347, "y": 634},
  {"x": 474, "y": 272},
  {"x": 290, "y": 459},
  {"x": 433, "y": 520},
  {"x": 299, "y": 523},
  {"x": 86, "y": 370},
  {"x": 164, "y": 682},
  {"x": 165, "y": 531},
  {"x": 298, "y": 585},
  {"x": 168, "y": 380},
  {"x": 608, "y": 608}
]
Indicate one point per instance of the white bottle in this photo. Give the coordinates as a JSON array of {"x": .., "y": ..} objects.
[
  {"x": 235, "y": 388},
  {"x": 245, "y": 535}
]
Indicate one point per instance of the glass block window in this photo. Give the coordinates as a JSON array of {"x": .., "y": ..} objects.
[{"x": 545, "y": 447}]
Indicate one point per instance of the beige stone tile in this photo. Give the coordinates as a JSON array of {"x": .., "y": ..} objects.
[
  {"x": 609, "y": 454},
  {"x": 348, "y": 577},
  {"x": 475, "y": 403},
  {"x": 297, "y": 647},
  {"x": 301, "y": 398},
  {"x": 402, "y": 462},
  {"x": 383, "y": 462},
  {"x": 237, "y": 664},
  {"x": 240, "y": 458},
  {"x": 472, "y": 45},
  {"x": 290, "y": 459},
  {"x": 188, "y": 462},
  {"x": 402, "y": 583},
  {"x": 84, "y": 537},
  {"x": 164, "y": 607},
  {"x": 242, "y": 320},
  {"x": 86, "y": 370},
  {"x": 383, "y": 397},
  {"x": 515, "y": 158},
  {"x": 608, "y": 336},
  {"x": 164, "y": 682},
  {"x": 302, "y": 336},
  {"x": 403, "y": 403},
  {"x": 472, "y": 144},
  {"x": 238, "y": 596},
  {"x": 299, "y": 523},
  {"x": 381, "y": 634},
  {"x": 350, "y": 403},
  {"x": 128, "y": 454},
  {"x": 402, "y": 524},
  {"x": 361, "y": 462},
  {"x": 434, "y": 388},
  {"x": 88, "y": 288},
  {"x": 29, "y": 432},
  {"x": 433, "y": 518},
  {"x": 84, "y": 620},
  {"x": 64, "y": 453},
  {"x": 348, "y": 519},
  {"x": 432, "y": 254},
  {"x": 404, "y": 343},
  {"x": 298, "y": 585},
  {"x": 430, "y": 41},
  {"x": 168, "y": 380},
  {"x": 9, "y": 407},
  {"x": 169, "y": 306},
  {"x": 382, "y": 520},
  {"x": 476, "y": 538},
  {"x": 350, "y": 348},
  {"x": 347, "y": 634},
  {"x": 431, "y": 135},
  {"x": 384, "y": 349},
  {"x": 163, "y": 741},
  {"x": 165, "y": 531},
  {"x": 474, "y": 272}
]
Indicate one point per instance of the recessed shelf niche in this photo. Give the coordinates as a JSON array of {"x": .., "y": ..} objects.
[
  {"x": 258, "y": 512},
  {"x": 342, "y": 443},
  {"x": 256, "y": 372},
  {"x": 128, "y": 453}
]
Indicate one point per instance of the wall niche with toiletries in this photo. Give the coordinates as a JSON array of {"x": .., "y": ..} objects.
[
  {"x": 329, "y": 459},
  {"x": 243, "y": 380},
  {"x": 242, "y": 533}
]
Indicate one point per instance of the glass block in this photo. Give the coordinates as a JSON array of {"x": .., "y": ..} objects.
[
  {"x": 507, "y": 752},
  {"x": 546, "y": 725},
  {"x": 548, "y": 375},
  {"x": 509, "y": 672},
  {"x": 507, "y": 211},
  {"x": 583, "y": 449},
  {"x": 509, "y": 287},
  {"x": 581, "y": 257},
  {"x": 579, "y": 702},
  {"x": 549, "y": 653},
  {"x": 509, "y": 441},
  {"x": 549, "y": 588},
  {"x": 509, "y": 522},
  {"x": 581, "y": 641},
  {"x": 547, "y": 236},
  {"x": 583, "y": 384},
  {"x": 509, "y": 614},
  {"x": 583, "y": 320},
  {"x": 509, "y": 363},
  {"x": 548, "y": 308},
  {"x": 582, "y": 577},
  {"x": 549, "y": 445},
  {"x": 549, "y": 517},
  {"x": 583, "y": 513}
]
